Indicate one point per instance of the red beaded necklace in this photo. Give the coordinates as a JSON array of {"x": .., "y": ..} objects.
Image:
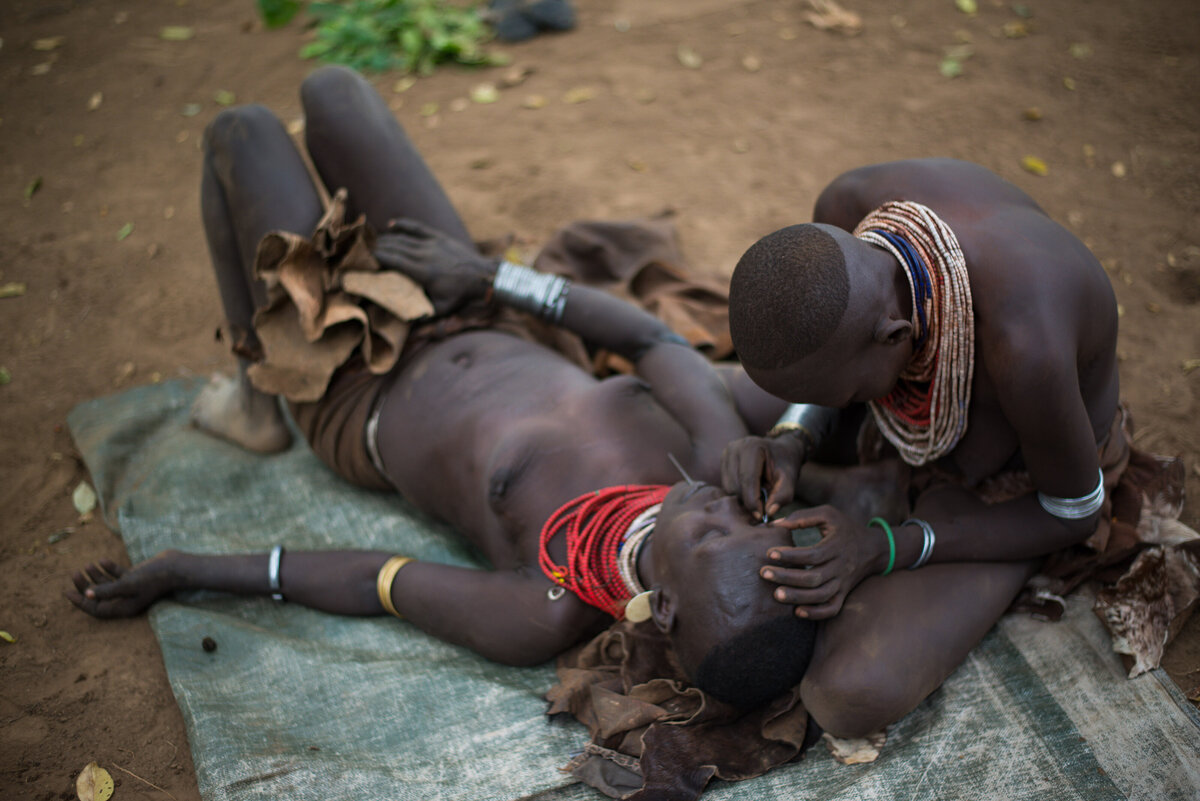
[{"x": 596, "y": 525}]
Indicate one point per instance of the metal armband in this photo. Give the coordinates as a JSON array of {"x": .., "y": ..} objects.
[
  {"x": 812, "y": 423},
  {"x": 544, "y": 296},
  {"x": 1074, "y": 508}
]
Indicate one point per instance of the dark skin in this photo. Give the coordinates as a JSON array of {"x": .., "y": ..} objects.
[
  {"x": 484, "y": 430},
  {"x": 1044, "y": 395}
]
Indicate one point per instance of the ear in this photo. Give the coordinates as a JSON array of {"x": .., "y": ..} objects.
[
  {"x": 892, "y": 331},
  {"x": 662, "y": 609}
]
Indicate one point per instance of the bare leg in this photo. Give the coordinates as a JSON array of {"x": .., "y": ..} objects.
[
  {"x": 898, "y": 637},
  {"x": 253, "y": 182},
  {"x": 356, "y": 143}
]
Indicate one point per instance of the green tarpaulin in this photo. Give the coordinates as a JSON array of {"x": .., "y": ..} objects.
[{"x": 301, "y": 705}]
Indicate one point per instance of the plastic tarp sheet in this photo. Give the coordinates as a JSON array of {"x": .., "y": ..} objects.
[{"x": 299, "y": 704}]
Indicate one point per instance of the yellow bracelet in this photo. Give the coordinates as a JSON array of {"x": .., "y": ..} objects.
[
  {"x": 385, "y": 579},
  {"x": 787, "y": 428}
]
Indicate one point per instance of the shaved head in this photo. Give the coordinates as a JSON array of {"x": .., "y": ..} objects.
[{"x": 787, "y": 296}]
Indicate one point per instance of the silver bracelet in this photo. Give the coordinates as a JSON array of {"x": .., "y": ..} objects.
[
  {"x": 1074, "y": 508},
  {"x": 927, "y": 547},
  {"x": 273, "y": 572},
  {"x": 813, "y": 423},
  {"x": 544, "y": 296}
]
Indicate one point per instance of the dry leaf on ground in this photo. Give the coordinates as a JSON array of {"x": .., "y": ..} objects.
[
  {"x": 94, "y": 783},
  {"x": 13, "y": 289},
  {"x": 84, "y": 498},
  {"x": 1034, "y": 165},
  {"x": 826, "y": 15}
]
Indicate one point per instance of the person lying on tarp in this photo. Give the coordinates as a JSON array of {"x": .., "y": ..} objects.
[{"x": 561, "y": 480}]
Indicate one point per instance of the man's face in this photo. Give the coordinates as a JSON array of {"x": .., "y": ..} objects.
[{"x": 708, "y": 551}]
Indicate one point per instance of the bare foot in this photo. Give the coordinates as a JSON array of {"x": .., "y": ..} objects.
[{"x": 230, "y": 408}]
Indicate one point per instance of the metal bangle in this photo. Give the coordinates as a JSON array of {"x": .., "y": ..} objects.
[
  {"x": 927, "y": 547},
  {"x": 813, "y": 423},
  {"x": 544, "y": 296},
  {"x": 273, "y": 572},
  {"x": 1074, "y": 508}
]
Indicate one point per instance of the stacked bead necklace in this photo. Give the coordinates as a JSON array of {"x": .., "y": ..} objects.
[
  {"x": 604, "y": 531},
  {"x": 925, "y": 415}
]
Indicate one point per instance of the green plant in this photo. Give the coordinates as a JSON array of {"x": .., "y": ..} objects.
[{"x": 379, "y": 35}]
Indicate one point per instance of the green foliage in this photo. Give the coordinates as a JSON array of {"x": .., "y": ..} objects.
[
  {"x": 277, "y": 13},
  {"x": 406, "y": 35}
]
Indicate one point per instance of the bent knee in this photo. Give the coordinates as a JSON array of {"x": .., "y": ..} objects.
[
  {"x": 329, "y": 82},
  {"x": 853, "y": 704},
  {"x": 234, "y": 127}
]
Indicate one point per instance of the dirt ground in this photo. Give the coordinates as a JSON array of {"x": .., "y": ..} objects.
[{"x": 738, "y": 145}]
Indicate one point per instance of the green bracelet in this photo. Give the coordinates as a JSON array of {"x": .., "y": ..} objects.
[{"x": 883, "y": 524}]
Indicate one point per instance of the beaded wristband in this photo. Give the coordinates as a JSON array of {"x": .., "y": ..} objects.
[{"x": 883, "y": 524}]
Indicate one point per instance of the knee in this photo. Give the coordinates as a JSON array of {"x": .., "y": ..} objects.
[
  {"x": 236, "y": 126},
  {"x": 855, "y": 702},
  {"x": 330, "y": 83}
]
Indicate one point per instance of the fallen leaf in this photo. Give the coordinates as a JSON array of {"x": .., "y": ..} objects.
[
  {"x": 1015, "y": 29},
  {"x": 84, "y": 498},
  {"x": 32, "y": 187},
  {"x": 826, "y": 15},
  {"x": 191, "y": 109},
  {"x": 637, "y": 166},
  {"x": 13, "y": 289},
  {"x": 855, "y": 751},
  {"x": 49, "y": 43},
  {"x": 967, "y": 6},
  {"x": 751, "y": 63},
  {"x": 484, "y": 94},
  {"x": 124, "y": 373},
  {"x": 429, "y": 109},
  {"x": 1069, "y": 83},
  {"x": 1080, "y": 50},
  {"x": 95, "y": 100},
  {"x": 481, "y": 163},
  {"x": 60, "y": 535},
  {"x": 580, "y": 94},
  {"x": 1033, "y": 113},
  {"x": 181, "y": 137},
  {"x": 176, "y": 33},
  {"x": 296, "y": 126},
  {"x": 950, "y": 67},
  {"x": 224, "y": 97},
  {"x": 124, "y": 232},
  {"x": 404, "y": 84},
  {"x": 1190, "y": 364},
  {"x": 40, "y": 69},
  {"x": 1034, "y": 165},
  {"x": 516, "y": 76},
  {"x": 4, "y": 635},
  {"x": 1118, "y": 169},
  {"x": 94, "y": 784},
  {"x": 688, "y": 57},
  {"x": 534, "y": 101},
  {"x": 5, "y": 376}
]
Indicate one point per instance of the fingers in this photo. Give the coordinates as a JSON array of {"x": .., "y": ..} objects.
[
  {"x": 781, "y": 493},
  {"x": 112, "y": 568},
  {"x": 800, "y": 578},
  {"x": 820, "y": 516},
  {"x": 807, "y": 597},
  {"x": 822, "y": 611},
  {"x": 405, "y": 225}
]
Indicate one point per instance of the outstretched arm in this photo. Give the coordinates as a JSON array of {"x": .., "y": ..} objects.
[{"x": 505, "y": 616}]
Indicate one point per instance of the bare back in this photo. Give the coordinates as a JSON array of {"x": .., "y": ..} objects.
[{"x": 1038, "y": 293}]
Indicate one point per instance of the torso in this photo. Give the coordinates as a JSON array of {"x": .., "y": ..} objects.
[
  {"x": 1017, "y": 258},
  {"x": 492, "y": 434}
]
